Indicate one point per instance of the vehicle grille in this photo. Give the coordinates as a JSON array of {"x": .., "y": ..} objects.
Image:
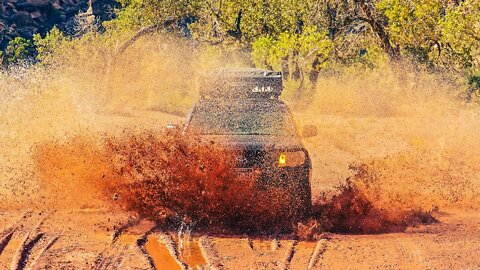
[{"x": 250, "y": 157}]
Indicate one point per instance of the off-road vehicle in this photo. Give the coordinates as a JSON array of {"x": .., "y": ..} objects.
[{"x": 241, "y": 109}]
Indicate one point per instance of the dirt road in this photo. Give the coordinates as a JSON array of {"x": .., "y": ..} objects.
[{"x": 56, "y": 241}]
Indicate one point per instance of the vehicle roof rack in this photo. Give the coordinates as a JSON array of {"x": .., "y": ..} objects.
[{"x": 241, "y": 83}]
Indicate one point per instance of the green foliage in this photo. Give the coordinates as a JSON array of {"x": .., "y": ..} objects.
[
  {"x": 19, "y": 49},
  {"x": 252, "y": 24},
  {"x": 474, "y": 82},
  {"x": 301, "y": 38},
  {"x": 408, "y": 18},
  {"x": 305, "y": 38},
  {"x": 298, "y": 55},
  {"x": 437, "y": 33},
  {"x": 258, "y": 18},
  {"x": 473, "y": 93},
  {"x": 291, "y": 52},
  {"x": 461, "y": 33},
  {"x": 414, "y": 26},
  {"x": 49, "y": 44},
  {"x": 139, "y": 13}
]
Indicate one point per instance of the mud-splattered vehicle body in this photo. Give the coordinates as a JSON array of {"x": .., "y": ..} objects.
[{"x": 241, "y": 110}]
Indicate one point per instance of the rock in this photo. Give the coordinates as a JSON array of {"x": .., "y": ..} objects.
[
  {"x": 35, "y": 14},
  {"x": 55, "y": 4},
  {"x": 41, "y": 20},
  {"x": 71, "y": 11},
  {"x": 27, "y": 17},
  {"x": 8, "y": 38},
  {"x": 38, "y": 3},
  {"x": 68, "y": 2},
  {"x": 21, "y": 18},
  {"x": 34, "y": 4},
  {"x": 28, "y": 31}
]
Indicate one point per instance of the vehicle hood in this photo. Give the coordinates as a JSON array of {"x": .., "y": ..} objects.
[{"x": 245, "y": 141}]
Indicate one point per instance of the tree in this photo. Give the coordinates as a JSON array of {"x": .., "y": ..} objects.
[
  {"x": 296, "y": 54},
  {"x": 437, "y": 33},
  {"x": 19, "y": 49},
  {"x": 47, "y": 45},
  {"x": 461, "y": 35}
]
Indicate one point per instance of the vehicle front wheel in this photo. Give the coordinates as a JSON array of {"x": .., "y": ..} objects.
[{"x": 301, "y": 202}]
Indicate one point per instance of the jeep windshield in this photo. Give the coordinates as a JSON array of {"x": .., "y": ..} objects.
[{"x": 262, "y": 118}]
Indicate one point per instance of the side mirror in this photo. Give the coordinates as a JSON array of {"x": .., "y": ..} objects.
[{"x": 309, "y": 131}]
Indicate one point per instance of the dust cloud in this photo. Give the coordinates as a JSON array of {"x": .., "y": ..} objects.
[
  {"x": 86, "y": 131},
  {"x": 81, "y": 91},
  {"x": 411, "y": 134}
]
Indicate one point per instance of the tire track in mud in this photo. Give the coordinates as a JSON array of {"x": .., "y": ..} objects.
[
  {"x": 47, "y": 246},
  {"x": 169, "y": 252},
  {"x": 320, "y": 248},
  {"x": 112, "y": 257},
  {"x": 305, "y": 255},
  {"x": 152, "y": 247},
  {"x": 7, "y": 234},
  {"x": 210, "y": 253},
  {"x": 118, "y": 231},
  {"x": 289, "y": 255},
  {"x": 269, "y": 253},
  {"x": 6, "y": 239},
  {"x": 160, "y": 250},
  {"x": 20, "y": 259},
  {"x": 410, "y": 257},
  {"x": 31, "y": 240}
]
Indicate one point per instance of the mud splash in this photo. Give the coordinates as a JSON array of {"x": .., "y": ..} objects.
[
  {"x": 162, "y": 177},
  {"x": 172, "y": 180},
  {"x": 350, "y": 209},
  {"x": 178, "y": 182}
]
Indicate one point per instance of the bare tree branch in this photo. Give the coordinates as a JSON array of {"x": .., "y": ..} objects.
[
  {"x": 144, "y": 31},
  {"x": 377, "y": 27}
]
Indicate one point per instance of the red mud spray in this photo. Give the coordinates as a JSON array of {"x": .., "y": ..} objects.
[{"x": 175, "y": 182}]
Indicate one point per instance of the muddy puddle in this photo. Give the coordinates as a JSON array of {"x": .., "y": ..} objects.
[
  {"x": 160, "y": 255},
  {"x": 163, "y": 257}
]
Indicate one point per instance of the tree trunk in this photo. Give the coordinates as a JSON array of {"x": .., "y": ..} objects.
[{"x": 392, "y": 52}]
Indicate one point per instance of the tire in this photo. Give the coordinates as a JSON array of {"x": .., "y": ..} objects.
[{"x": 301, "y": 198}]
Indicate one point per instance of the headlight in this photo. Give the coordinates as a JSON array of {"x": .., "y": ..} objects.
[{"x": 291, "y": 159}]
